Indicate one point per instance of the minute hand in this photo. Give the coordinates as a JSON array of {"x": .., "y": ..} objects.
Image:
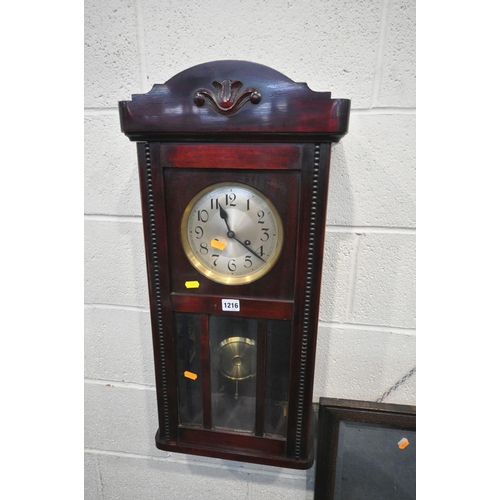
[
  {"x": 248, "y": 248},
  {"x": 230, "y": 234}
]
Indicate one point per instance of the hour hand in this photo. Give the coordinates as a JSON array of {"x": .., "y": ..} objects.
[{"x": 223, "y": 215}]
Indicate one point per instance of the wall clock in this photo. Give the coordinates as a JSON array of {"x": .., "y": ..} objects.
[{"x": 234, "y": 160}]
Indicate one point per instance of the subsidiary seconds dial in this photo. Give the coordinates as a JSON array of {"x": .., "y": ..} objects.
[{"x": 231, "y": 233}]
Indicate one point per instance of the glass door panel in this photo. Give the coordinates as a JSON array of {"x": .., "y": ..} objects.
[
  {"x": 187, "y": 329},
  {"x": 233, "y": 361},
  {"x": 279, "y": 334}
]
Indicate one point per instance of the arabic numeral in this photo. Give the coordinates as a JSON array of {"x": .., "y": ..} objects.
[
  {"x": 202, "y": 216},
  {"x": 199, "y": 232},
  {"x": 230, "y": 198}
]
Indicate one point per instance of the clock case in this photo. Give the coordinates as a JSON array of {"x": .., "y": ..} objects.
[{"x": 238, "y": 121}]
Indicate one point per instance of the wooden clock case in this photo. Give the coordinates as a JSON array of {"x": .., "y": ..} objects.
[{"x": 235, "y": 121}]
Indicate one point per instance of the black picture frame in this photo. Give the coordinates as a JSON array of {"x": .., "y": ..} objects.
[{"x": 361, "y": 450}]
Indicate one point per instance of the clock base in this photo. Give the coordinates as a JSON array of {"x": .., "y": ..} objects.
[{"x": 240, "y": 455}]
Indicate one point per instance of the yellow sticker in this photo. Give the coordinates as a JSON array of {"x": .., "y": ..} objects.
[
  {"x": 220, "y": 245},
  {"x": 403, "y": 443},
  {"x": 192, "y": 284},
  {"x": 190, "y": 375}
]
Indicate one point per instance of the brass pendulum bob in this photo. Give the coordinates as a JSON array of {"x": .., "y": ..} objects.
[{"x": 238, "y": 359}]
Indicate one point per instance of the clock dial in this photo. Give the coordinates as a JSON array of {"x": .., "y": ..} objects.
[{"x": 231, "y": 233}]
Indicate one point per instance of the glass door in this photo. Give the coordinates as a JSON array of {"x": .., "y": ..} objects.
[
  {"x": 233, "y": 376},
  {"x": 233, "y": 373}
]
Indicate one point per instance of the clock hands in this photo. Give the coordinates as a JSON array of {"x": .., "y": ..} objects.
[
  {"x": 223, "y": 215},
  {"x": 232, "y": 235},
  {"x": 247, "y": 247}
]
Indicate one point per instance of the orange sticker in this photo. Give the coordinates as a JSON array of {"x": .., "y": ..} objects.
[
  {"x": 190, "y": 375},
  {"x": 220, "y": 245},
  {"x": 403, "y": 443}
]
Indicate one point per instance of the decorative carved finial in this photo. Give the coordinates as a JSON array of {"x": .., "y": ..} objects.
[{"x": 228, "y": 96}]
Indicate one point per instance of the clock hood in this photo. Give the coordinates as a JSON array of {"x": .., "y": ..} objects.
[{"x": 233, "y": 100}]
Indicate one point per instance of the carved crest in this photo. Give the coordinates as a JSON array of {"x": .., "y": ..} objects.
[{"x": 228, "y": 96}]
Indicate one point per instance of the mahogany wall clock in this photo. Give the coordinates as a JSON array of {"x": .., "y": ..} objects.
[{"x": 234, "y": 160}]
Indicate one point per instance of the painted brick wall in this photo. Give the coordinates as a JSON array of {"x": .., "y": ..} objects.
[{"x": 364, "y": 51}]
